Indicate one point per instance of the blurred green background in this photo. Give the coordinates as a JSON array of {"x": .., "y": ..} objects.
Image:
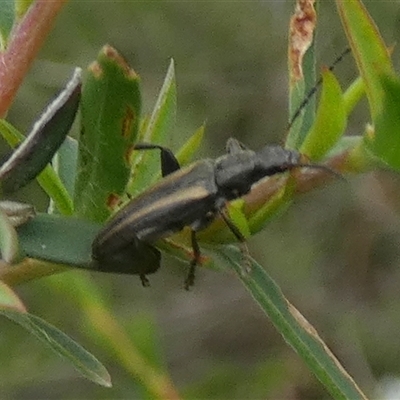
[{"x": 335, "y": 253}]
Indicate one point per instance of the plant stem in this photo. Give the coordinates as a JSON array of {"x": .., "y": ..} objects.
[{"x": 26, "y": 41}]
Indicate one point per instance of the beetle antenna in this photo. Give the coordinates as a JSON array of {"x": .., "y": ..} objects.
[
  {"x": 169, "y": 162},
  {"x": 314, "y": 89}
]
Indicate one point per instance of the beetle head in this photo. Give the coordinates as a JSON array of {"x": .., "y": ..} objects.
[{"x": 273, "y": 160}]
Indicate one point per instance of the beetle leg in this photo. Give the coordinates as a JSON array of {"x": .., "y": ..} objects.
[
  {"x": 144, "y": 280},
  {"x": 169, "y": 163},
  {"x": 189, "y": 281},
  {"x": 242, "y": 240}
]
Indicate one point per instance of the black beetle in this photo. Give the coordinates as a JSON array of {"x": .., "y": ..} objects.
[{"x": 192, "y": 196}]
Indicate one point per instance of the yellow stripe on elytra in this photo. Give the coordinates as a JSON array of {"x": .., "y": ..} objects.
[{"x": 188, "y": 194}]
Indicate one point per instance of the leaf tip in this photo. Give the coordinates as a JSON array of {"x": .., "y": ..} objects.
[
  {"x": 104, "y": 380},
  {"x": 112, "y": 54},
  {"x": 301, "y": 33}
]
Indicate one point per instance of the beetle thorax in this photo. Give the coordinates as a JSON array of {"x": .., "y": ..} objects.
[{"x": 234, "y": 173}]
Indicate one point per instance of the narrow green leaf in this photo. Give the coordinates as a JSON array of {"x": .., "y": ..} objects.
[
  {"x": 110, "y": 113},
  {"x": 301, "y": 103},
  {"x": 8, "y": 240},
  {"x": 186, "y": 152},
  {"x": 295, "y": 329},
  {"x": 330, "y": 121},
  {"x": 261, "y": 214},
  {"x": 9, "y": 300},
  {"x": 235, "y": 211},
  {"x": 302, "y": 72},
  {"x": 10, "y": 134},
  {"x": 102, "y": 324},
  {"x": 47, "y": 179},
  {"x": 353, "y": 95},
  {"x": 52, "y": 185},
  {"x": 146, "y": 164},
  {"x": 163, "y": 116},
  {"x": 7, "y": 16},
  {"x": 44, "y": 139},
  {"x": 385, "y": 141},
  {"x": 65, "y": 163},
  {"x": 368, "y": 48},
  {"x": 84, "y": 362}
]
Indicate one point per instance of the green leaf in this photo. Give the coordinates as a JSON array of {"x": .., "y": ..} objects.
[
  {"x": 101, "y": 324},
  {"x": 330, "y": 121},
  {"x": 9, "y": 300},
  {"x": 345, "y": 144},
  {"x": 52, "y": 185},
  {"x": 84, "y": 362},
  {"x": 47, "y": 179},
  {"x": 65, "y": 164},
  {"x": 8, "y": 240},
  {"x": 163, "y": 116},
  {"x": 353, "y": 95},
  {"x": 260, "y": 214},
  {"x": 385, "y": 141},
  {"x": 186, "y": 152},
  {"x": 369, "y": 50},
  {"x": 44, "y": 139},
  {"x": 7, "y": 16},
  {"x": 110, "y": 113},
  {"x": 294, "y": 328},
  {"x": 146, "y": 164},
  {"x": 300, "y": 102},
  {"x": 67, "y": 241},
  {"x": 61, "y": 240},
  {"x": 302, "y": 73},
  {"x": 379, "y": 81},
  {"x": 235, "y": 212}
]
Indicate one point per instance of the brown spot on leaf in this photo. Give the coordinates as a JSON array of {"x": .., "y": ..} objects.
[
  {"x": 113, "y": 201},
  {"x": 301, "y": 31},
  {"x": 128, "y": 154},
  {"x": 128, "y": 121},
  {"x": 95, "y": 69},
  {"x": 303, "y": 322},
  {"x": 114, "y": 55}
]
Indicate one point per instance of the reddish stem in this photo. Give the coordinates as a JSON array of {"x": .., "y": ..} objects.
[{"x": 26, "y": 41}]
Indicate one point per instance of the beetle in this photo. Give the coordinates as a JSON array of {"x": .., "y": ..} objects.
[{"x": 192, "y": 196}]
